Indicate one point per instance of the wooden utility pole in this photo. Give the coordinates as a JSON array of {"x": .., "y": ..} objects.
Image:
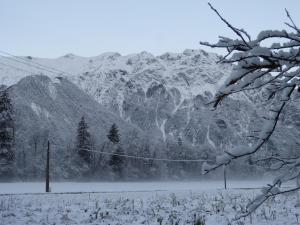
[
  {"x": 47, "y": 169},
  {"x": 223, "y": 146},
  {"x": 225, "y": 178}
]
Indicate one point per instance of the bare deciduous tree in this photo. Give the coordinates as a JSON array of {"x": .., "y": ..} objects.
[{"x": 256, "y": 66}]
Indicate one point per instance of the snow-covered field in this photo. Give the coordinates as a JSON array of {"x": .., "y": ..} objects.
[{"x": 141, "y": 203}]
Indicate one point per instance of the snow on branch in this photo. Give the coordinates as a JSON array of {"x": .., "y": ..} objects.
[
  {"x": 267, "y": 192},
  {"x": 257, "y": 65},
  {"x": 263, "y": 136}
]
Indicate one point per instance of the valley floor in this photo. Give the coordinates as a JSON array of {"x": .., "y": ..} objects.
[{"x": 141, "y": 203}]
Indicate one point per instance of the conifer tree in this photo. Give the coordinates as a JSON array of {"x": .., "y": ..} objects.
[
  {"x": 6, "y": 135},
  {"x": 113, "y": 135},
  {"x": 116, "y": 161},
  {"x": 84, "y": 141}
]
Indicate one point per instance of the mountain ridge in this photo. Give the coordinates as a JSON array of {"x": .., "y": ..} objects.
[{"x": 159, "y": 103}]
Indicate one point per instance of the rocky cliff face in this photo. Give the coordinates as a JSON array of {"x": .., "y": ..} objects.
[
  {"x": 48, "y": 109},
  {"x": 167, "y": 95},
  {"x": 159, "y": 101},
  {"x": 163, "y": 95}
]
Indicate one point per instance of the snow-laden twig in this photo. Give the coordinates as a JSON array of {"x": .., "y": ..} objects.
[{"x": 255, "y": 65}]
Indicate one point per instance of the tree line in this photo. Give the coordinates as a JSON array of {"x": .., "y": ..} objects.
[
  {"x": 89, "y": 155},
  {"x": 7, "y": 153}
]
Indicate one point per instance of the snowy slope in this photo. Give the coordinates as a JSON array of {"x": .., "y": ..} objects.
[
  {"x": 160, "y": 94},
  {"x": 187, "y": 70},
  {"x": 132, "y": 85},
  {"x": 165, "y": 97},
  {"x": 48, "y": 110}
]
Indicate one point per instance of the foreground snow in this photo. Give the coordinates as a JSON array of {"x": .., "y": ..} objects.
[{"x": 140, "y": 203}]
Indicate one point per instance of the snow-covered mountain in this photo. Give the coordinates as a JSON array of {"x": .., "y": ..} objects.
[
  {"x": 143, "y": 89},
  {"x": 187, "y": 70},
  {"x": 157, "y": 101}
]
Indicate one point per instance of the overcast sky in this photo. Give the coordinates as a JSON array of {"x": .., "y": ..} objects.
[{"x": 90, "y": 27}]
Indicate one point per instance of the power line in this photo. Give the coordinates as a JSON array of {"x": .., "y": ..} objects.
[
  {"x": 138, "y": 157},
  {"x": 21, "y": 69},
  {"x": 35, "y": 64},
  {"x": 32, "y": 62},
  {"x": 144, "y": 158},
  {"x": 27, "y": 63},
  {"x": 130, "y": 156},
  {"x": 135, "y": 157}
]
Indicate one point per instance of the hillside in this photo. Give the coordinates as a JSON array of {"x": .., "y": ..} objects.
[{"x": 159, "y": 104}]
